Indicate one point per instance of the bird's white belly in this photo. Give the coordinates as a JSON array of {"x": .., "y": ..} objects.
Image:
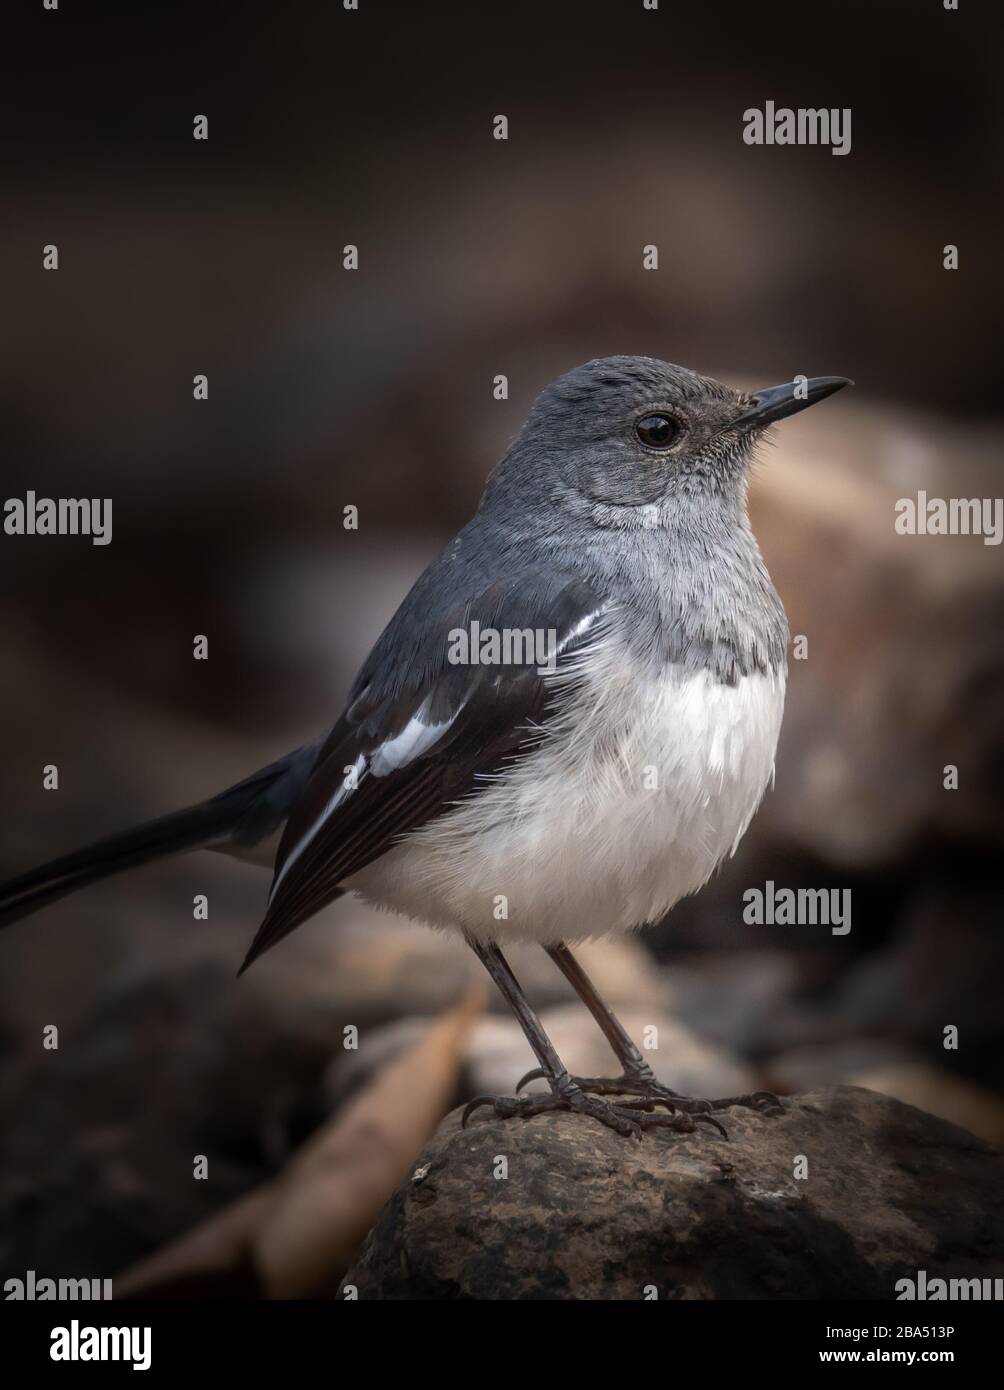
[{"x": 628, "y": 806}]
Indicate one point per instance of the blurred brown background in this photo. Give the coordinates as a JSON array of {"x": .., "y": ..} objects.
[{"x": 374, "y": 388}]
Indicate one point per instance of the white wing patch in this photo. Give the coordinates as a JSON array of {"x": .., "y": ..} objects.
[{"x": 414, "y": 740}]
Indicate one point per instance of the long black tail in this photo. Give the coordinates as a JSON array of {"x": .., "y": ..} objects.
[{"x": 243, "y": 815}]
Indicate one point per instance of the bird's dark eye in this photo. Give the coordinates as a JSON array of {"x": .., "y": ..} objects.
[{"x": 656, "y": 431}]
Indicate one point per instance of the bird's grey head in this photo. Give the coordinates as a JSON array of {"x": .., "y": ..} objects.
[{"x": 629, "y": 441}]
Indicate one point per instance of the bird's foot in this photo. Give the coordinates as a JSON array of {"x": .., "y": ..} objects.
[
  {"x": 630, "y": 1117},
  {"x": 643, "y": 1083}
]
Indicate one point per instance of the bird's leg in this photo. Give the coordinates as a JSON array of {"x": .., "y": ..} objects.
[
  {"x": 629, "y": 1117},
  {"x": 638, "y": 1078},
  {"x": 636, "y": 1069}
]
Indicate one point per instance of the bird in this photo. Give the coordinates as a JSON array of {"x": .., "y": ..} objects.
[{"x": 591, "y": 763}]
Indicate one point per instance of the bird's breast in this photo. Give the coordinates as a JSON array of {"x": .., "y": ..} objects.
[{"x": 644, "y": 782}]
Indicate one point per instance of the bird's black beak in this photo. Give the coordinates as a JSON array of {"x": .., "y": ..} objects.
[{"x": 778, "y": 402}]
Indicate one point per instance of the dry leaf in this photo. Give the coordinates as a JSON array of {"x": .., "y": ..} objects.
[
  {"x": 212, "y": 1252},
  {"x": 332, "y": 1192}
]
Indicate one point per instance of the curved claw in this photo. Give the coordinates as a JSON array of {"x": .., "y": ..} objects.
[
  {"x": 682, "y": 1123},
  {"x": 473, "y": 1105},
  {"x": 710, "y": 1120},
  {"x": 534, "y": 1074}
]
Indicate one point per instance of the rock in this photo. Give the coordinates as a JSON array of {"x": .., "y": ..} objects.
[
  {"x": 940, "y": 1093},
  {"x": 897, "y": 1071},
  {"x": 585, "y": 1214}
]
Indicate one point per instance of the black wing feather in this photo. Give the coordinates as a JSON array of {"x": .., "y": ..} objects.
[{"x": 492, "y": 716}]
